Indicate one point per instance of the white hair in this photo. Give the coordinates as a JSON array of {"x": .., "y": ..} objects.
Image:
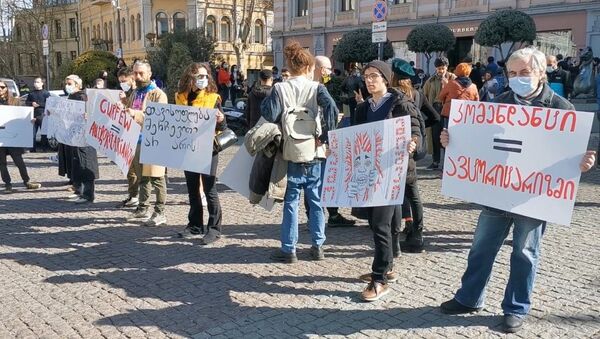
[
  {"x": 321, "y": 60},
  {"x": 76, "y": 79},
  {"x": 535, "y": 58}
]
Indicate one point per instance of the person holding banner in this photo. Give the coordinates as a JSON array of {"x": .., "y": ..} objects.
[
  {"x": 16, "y": 153},
  {"x": 198, "y": 89},
  {"x": 528, "y": 86},
  {"x": 153, "y": 176},
  {"x": 385, "y": 103}
]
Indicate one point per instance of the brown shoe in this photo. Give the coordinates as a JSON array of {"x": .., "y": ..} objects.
[
  {"x": 390, "y": 276},
  {"x": 374, "y": 291}
]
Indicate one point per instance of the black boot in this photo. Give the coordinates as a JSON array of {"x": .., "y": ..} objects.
[{"x": 413, "y": 242}]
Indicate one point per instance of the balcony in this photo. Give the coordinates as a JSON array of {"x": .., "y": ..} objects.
[{"x": 100, "y": 2}]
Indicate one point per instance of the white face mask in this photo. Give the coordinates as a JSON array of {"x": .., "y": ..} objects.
[
  {"x": 69, "y": 89},
  {"x": 522, "y": 86},
  {"x": 125, "y": 86},
  {"x": 549, "y": 69},
  {"x": 201, "y": 83}
]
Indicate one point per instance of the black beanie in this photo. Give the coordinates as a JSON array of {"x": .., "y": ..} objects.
[{"x": 383, "y": 68}]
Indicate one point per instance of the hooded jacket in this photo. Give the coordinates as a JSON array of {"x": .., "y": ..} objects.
[
  {"x": 459, "y": 88},
  {"x": 258, "y": 93}
]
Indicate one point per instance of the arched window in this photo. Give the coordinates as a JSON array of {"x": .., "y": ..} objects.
[
  {"x": 259, "y": 36},
  {"x": 132, "y": 25},
  {"x": 105, "y": 31},
  {"x": 225, "y": 29},
  {"x": 211, "y": 27},
  {"x": 162, "y": 24},
  {"x": 178, "y": 22},
  {"x": 110, "y": 31},
  {"x": 139, "y": 27},
  {"x": 123, "y": 30}
]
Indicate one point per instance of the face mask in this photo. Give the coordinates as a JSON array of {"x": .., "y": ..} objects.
[
  {"x": 549, "y": 69},
  {"x": 69, "y": 89},
  {"x": 225, "y": 66},
  {"x": 522, "y": 86},
  {"x": 125, "y": 86},
  {"x": 201, "y": 83},
  {"x": 37, "y": 86},
  {"x": 142, "y": 83},
  {"x": 326, "y": 78}
]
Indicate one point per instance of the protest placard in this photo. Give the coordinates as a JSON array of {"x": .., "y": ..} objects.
[
  {"x": 367, "y": 165},
  {"x": 16, "y": 129},
  {"x": 515, "y": 158},
  {"x": 178, "y": 137},
  {"x": 65, "y": 120},
  {"x": 112, "y": 132},
  {"x": 92, "y": 93}
]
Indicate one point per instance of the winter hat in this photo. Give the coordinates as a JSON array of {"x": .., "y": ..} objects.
[
  {"x": 383, "y": 68},
  {"x": 402, "y": 69},
  {"x": 462, "y": 70}
]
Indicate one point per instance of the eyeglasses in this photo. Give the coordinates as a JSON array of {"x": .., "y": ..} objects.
[
  {"x": 201, "y": 76},
  {"x": 372, "y": 76}
]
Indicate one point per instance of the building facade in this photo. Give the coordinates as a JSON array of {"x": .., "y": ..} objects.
[{"x": 564, "y": 26}]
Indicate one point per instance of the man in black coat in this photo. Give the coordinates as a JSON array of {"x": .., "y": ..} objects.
[
  {"x": 259, "y": 91},
  {"x": 37, "y": 99}
]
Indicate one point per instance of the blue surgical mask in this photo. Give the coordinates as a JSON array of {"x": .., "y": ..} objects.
[
  {"x": 201, "y": 83},
  {"x": 522, "y": 86}
]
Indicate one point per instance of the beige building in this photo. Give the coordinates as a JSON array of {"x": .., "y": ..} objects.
[{"x": 564, "y": 26}]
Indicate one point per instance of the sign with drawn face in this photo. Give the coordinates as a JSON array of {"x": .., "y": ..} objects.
[
  {"x": 367, "y": 164},
  {"x": 66, "y": 121},
  {"x": 520, "y": 159},
  {"x": 16, "y": 129}
]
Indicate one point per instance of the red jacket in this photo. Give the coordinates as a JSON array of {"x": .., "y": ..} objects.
[
  {"x": 223, "y": 77},
  {"x": 457, "y": 89}
]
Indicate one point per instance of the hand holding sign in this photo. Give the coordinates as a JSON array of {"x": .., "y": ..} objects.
[{"x": 588, "y": 161}]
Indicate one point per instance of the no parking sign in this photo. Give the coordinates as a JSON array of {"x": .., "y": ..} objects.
[{"x": 379, "y": 11}]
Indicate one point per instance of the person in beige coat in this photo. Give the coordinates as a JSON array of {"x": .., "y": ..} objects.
[{"x": 153, "y": 176}]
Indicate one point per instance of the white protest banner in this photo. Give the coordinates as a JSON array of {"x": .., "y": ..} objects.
[
  {"x": 237, "y": 176},
  {"x": 367, "y": 165},
  {"x": 16, "y": 129},
  {"x": 520, "y": 159},
  {"x": 66, "y": 120},
  {"x": 113, "y": 132},
  {"x": 178, "y": 137},
  {"x": 111, "y": 94}
]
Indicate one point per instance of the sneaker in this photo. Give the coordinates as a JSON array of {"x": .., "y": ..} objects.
[
  {"x": 211, "y": 236},
  {"x": 391, "y": 276},
  {"x": 82, "y": 200},
  {"x": 33, "y": 185},
  {"x": 8, "y": 188},
  {"x": 139, "y": 213},
  {"x": 279, "y": 256},
  {"x": 454, "y": 307},
  {"x": 129, "y": 202},
  {"x": 156, "y": 219},
  {"x": 73, "y": 196},
  {"x": 338, "y": 220},
  {"x": 374, "y": 291},
  {"x": 433, "y": 166},
  {"x": 512, "y": 323},
  {"x": 316, "y": 253},
  {"x": 191, "y": 232}
]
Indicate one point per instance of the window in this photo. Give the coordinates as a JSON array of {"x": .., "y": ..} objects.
[
  {"x": 123, "y": 30},
  {"x": 110, "y": 31},
  {"x": 178, "y": 22},
  {"x": 225, "y": 25},
  {"x": 73, "y": 55},
  {"x": 72, "y": 28},
  {"x": 346, "y": 5},
  {"x": 139, "y": 27},
  {"x": 211, "y": 27},
  {"x": 105, "y": 31},
  {"x": 162, "y": 24},
  {"x": 132, "y": 25},
  {"x": 20, "y": 63},
  {"x": 18, "y": 33},
  {"x": 58, "y": 29},
  {"x": 398, "y": 2},
  {"x": 301, "y": 7},
  {"x": 58, "y": 58},
  {"x": 30, "y": 29},
  {"x": 259, "y": 37},
  {"x": 32, "y": 61}
]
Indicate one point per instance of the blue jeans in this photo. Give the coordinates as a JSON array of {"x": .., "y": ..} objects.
[
  {"x": 307, "y": 177},
  {"x": 492, "y": 228}
]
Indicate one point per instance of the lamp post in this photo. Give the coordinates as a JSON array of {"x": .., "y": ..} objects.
[{"x": 116, "y": 5}]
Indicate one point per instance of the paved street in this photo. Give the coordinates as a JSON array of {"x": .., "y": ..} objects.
[{"x": 70, "y": 271}]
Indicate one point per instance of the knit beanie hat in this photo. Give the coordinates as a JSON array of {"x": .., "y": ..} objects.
[
  {"x": 462, "y": 70},
  {"x": 383, "y": 68},
  {"x": 402, "y": 69}
]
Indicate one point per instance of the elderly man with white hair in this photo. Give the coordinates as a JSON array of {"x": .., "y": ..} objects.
[{"x": 528, "y": 84}]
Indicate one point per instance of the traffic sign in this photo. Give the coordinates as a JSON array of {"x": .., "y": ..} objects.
[
  {"x": 379, "y": 27},
  {"x": 45, "y": 32},
  {"x": 378, "y": 37},
  {"x": 379, "y": 10},
  {"x": 45, "y": 47}
]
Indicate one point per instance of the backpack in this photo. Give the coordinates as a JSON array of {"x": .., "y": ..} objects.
[{"x": 300, "y": 120}]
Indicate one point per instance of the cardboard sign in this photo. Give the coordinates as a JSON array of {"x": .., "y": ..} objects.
[
  {"x": 113, "y": 132},
  {"x": 178, "y": 137},
  {"x": 16, "y": 129},
  {"x": 92, "y": 93},
  {"x": 367, "y": 165},
  {"x": 66, "y": 121},
  {"x": 520, "y": 159}
]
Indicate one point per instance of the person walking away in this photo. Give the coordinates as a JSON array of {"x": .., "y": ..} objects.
[
  {"x": 198, "y": 89},
  {"x": 37, "y": 99},
  {"x": 304, "y": 169},
  {"x": 527, "y": 79},
  {"x": 459, "y": 88},
  {"x": 153, "y": 176},
  {"x": 259, "y": 91}
]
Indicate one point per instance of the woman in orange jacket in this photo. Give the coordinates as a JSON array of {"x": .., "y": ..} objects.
[{"x": 459, "y": 88}]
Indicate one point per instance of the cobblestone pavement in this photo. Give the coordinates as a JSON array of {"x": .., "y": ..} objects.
[{"x": 70, "y": 271}]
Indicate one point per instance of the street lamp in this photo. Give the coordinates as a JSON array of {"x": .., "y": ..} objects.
[{"x": 115, "y": 4}]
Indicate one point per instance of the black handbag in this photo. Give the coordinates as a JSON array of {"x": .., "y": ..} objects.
[{"x": 224, "y": 139}]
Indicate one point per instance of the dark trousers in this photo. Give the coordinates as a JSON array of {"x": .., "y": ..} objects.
[
  {"x": 209, "y": 185},
  {"x": 412, "y": 205},
  {"x": 16, "y": 153},
  {"x": 436, "y": 131},
  {"x": 598, "y": 117},
  {"x": 380, "y": 221},
  {"x": 87, "y": 189},
  {"x": 224, "y": 93}
]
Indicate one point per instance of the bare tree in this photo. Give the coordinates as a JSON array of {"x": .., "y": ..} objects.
[{"x": 242, "y": 12}]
